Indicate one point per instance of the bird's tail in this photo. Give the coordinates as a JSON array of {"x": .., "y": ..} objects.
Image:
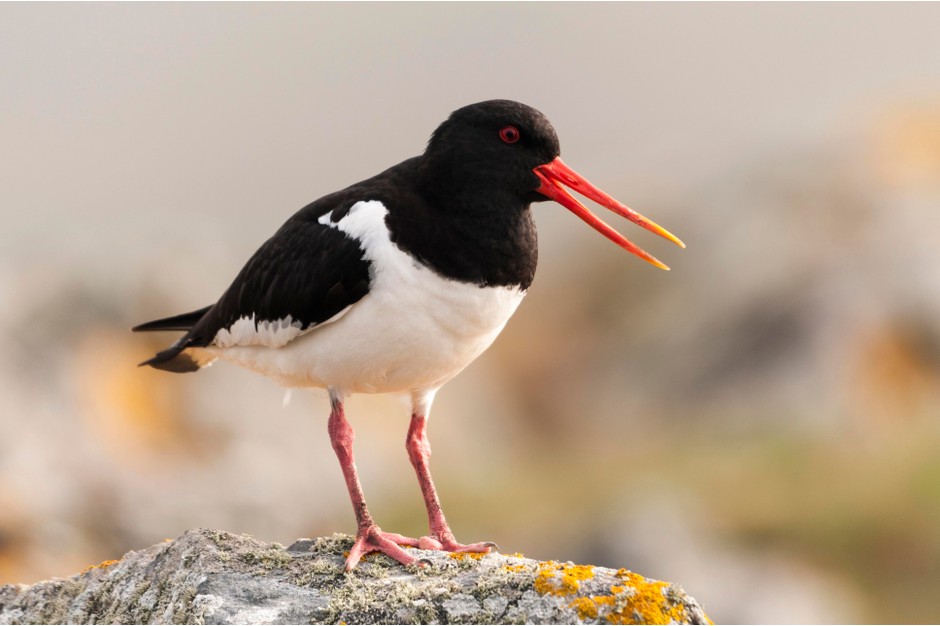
[
  {"x": 180, "y": 359},
  {"x": 184, "y": 355},
  {"x": 184, "y": 321}
]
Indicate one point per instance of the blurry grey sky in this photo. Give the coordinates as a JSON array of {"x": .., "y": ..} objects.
[{"x": 117, "y": 119}]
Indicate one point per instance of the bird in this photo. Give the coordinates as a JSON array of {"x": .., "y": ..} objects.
[{"x": 395, "y": 284}]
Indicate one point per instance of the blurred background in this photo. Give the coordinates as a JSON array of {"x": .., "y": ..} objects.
[{"x": 761, "y": 425}]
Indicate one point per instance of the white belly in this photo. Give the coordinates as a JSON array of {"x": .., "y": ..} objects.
[{"x": 414, "y": 330}]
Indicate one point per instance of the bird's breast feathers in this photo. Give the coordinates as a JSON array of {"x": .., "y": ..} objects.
[{"x": 414, "y": 328}]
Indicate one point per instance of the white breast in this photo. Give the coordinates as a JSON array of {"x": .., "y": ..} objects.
[{"x": 414, "y": 330}]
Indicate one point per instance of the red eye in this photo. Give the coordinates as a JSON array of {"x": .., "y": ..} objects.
[{"x": 509, "y": 134}]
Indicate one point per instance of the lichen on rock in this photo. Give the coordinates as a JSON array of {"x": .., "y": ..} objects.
[{"x": 214, "y": 577}]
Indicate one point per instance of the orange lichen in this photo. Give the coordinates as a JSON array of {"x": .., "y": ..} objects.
[
  {"x": 649, "y": 601},
  {"x": 546, "y": 581},
  {"x": 589, "y": 607},
  {"x": 102, "y": 565},
  {"x": 460, "y": 556},
  {"x": 515, "y": 568},
  {"x": 637, "y": 601}
]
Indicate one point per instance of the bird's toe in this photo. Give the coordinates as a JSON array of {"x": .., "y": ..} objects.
[
  {"x": 447, "y": 543},
  {"x": 373, "y": 539}
]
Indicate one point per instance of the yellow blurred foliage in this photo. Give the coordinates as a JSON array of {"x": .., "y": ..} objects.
[
  {"x": 906, "y": 146},
  {"x": 139, "y": 418}
]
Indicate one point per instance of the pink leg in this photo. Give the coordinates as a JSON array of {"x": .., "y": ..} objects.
[
  {"x": 441, "y": 538},
  {"x": 369, "y": 537}
]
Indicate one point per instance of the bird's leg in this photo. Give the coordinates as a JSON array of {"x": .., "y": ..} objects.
[
  {"x": 441, "y": 538},
  {"x": 369, "y": 537}
]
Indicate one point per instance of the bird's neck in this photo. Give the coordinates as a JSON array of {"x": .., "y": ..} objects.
[{"x": 470, "y": 232}]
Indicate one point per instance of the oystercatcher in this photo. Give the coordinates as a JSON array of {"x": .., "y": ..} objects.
[{"x": 397, "y": 283}]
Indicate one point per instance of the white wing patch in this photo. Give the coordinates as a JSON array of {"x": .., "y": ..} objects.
[
  {"x": 246, "y": 332},
  {"x": 268, "y": 333}
]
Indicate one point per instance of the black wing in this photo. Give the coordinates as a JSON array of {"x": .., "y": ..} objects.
[{"x": 307, "y": 270}]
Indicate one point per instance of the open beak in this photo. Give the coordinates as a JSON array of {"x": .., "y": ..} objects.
[{"x": 555, "y": 174}]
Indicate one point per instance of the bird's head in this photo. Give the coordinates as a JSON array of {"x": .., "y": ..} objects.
[{"x": 513, "y": 148}]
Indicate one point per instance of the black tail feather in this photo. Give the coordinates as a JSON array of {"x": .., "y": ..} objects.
[
  {"x": 179, "y": 360},
  {"x": 171, "y": 360},
  {"x": 185, "y": 354},
  {"x": 184, "y": 321}
]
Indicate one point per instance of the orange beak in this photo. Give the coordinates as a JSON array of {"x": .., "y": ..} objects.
[{"x": 555, "y": 174}]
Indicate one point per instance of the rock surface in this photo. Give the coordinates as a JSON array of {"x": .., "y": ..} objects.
[{"x": 214, "y": 577}]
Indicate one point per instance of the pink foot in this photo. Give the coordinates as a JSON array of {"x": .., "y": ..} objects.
[
  {"x": 374, "y": 539},
  {"x": 447, "y": 543}
]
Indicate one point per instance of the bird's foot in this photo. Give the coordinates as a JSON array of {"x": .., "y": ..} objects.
[
  {"x": 445, "y": 541},
  {"x": 374, "y": 539}
]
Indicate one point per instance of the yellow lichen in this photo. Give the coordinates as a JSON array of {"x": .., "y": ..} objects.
[
  {"x": 637, "y": 601},
  {"x": 546, "y": 581},
  {"x": 515, "y": 568},
  {"x": 102, "y": 565},
  {"x": 589, "y": 607},
  {"x": 648, "y": 603},
  {"x": 460, "y": 556}
]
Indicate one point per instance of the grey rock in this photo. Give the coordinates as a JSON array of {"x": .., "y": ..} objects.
[
  {"x": 460, "y": 608},
  {"x": 213, "y": 577}
]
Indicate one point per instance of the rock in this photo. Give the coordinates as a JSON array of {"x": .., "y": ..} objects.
[{"x": 213, "y": 577}]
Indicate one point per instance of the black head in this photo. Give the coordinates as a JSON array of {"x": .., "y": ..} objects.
[
  {"x": 507, "y": 154},
  {"x": 496, "y": 144}
]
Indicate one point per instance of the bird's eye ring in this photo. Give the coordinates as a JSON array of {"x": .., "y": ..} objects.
[{"x": 509, "y": 134}]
